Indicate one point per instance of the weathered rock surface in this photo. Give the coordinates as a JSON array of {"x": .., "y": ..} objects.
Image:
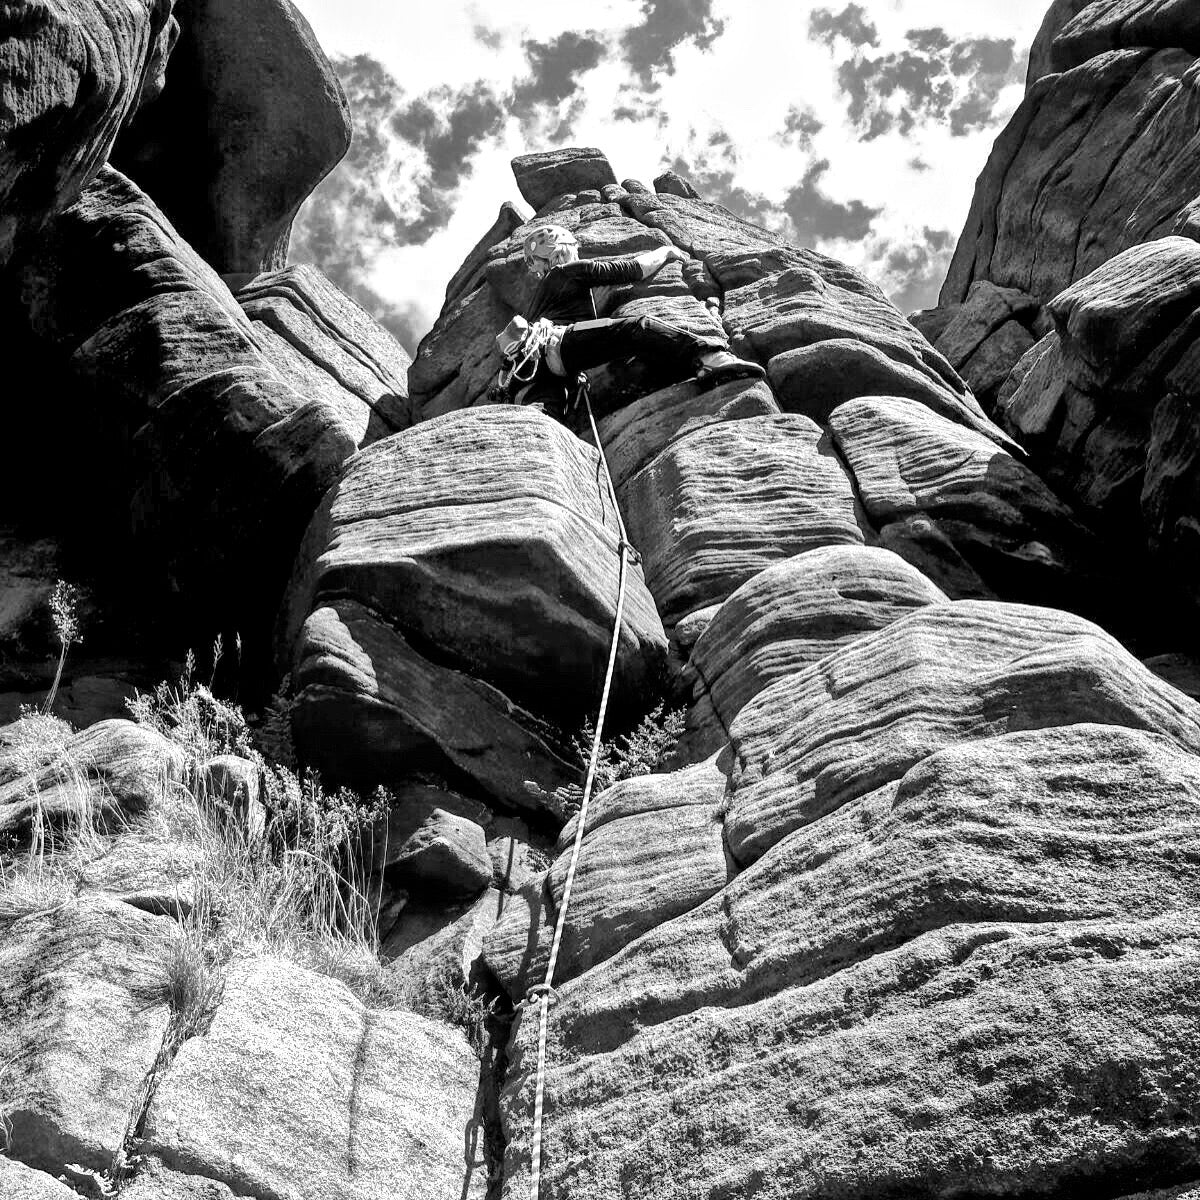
[
  {"x": 724, "y": 501},
  {"x": 542, "y": 177},
  {"x": 961, "y": 509},
  {"x": 788, "y": 617},
  {"x": 70, "y": 76},
  {"x": 82, "y": 1017},
  {"x": 471, "y": 274},
  {"x": 435, "y": 838},
  {"x": 636, "y": 433},
  {"x": 376, "y": 1105},
  {"x": 19, "y": 1182},
  {"x": 1040, "y": 53},
  {"x": 223, "y": 459},
  {"x": 986, "y": 902},
  {"x": 814, "y": 380},
  {"x": 251, "y": 120},
  {"x": 328, "y": 348},
  {"x": 1117, "y": 24},
  {"x": 944, "y": 675},
  {"x": 1095, "y": 160},
  {"x": 626, "y": 883},
  {"x": 456, "y": 572},
  {"x": 110, "y": 770},
  {"x": 985, "y": 335},
  {"x": 1103, "y": 401}
]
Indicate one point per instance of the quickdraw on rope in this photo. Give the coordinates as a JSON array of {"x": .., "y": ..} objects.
[{"x": 543, "y": 994}]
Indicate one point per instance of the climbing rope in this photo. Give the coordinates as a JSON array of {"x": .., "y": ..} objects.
[{"x": 543, "y": 994}]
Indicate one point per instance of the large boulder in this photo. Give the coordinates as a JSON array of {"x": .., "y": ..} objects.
[
  {"x": 455, "y": 596},
  {"x": 83, "y": 1015},
  {"x": 965, "y": 512},
  {"x": 1103, "y": 402},
  {"x": 952, "y": 953},
  {"x": 298, "y": 1090},
  {"x": 787, "y": 617},
  {"x": 215, "y": 454},
  {"x": 251, "y": 120},
  {"x": 542, "y": 177},
  {"x": 1095, "y": 160},
  {"x": 71, "y": 75},
  {"x": 110, "y": 772}
]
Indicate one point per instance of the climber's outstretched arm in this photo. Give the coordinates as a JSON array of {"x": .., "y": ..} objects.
[{"x": 653, "y": 261}]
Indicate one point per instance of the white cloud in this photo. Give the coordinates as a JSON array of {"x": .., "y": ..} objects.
[{"x": 763, "y": 64}]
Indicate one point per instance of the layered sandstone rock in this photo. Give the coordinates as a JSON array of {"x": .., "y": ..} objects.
[
  {"x": 786, "y": 618},
  {"x": 974, "y": 888},
  {"x": 206, "y": 420},
  {"x": 84, "y": 1013},
  {"x": 454, "y": 599},
  {"x": 1103, "y": 401},
  {"x": 1098, "y": 158},
  {"x": 71, "y": 75},
  {"x": 969, "y": 515},
  {"x": 251, "y": 120},
  {"x": 374, "y": 1104}
]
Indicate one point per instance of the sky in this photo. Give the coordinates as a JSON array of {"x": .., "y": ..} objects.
[{"x": 857, "y": 129}]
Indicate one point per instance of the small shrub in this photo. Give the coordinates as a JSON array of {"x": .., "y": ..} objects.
[
  {"x": 645, "y": 750},
  {"x": 443, "y": 995},
  {"x": 190, "y": 715}
]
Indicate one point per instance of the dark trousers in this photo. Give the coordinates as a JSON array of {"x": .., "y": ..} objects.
[{"x": 585, "y": 344}]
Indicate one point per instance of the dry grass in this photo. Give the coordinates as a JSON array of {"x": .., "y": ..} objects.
[{"x": 299, "y": 890}]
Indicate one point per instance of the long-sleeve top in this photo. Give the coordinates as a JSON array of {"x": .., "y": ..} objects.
[{"x": 564, "y": 293}]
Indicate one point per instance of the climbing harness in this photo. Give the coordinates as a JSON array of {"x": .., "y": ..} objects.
[
  {"x": 523, "y": 355},
  {"x": 543, "y": 994}
]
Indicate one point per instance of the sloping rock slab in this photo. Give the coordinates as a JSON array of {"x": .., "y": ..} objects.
[
  {"x": 1116, "y": 24},
  {"x": 476, "y": 553},
  {"x": 653, "y": 850},
  {"x": 815, "y": 379},
  {"x": 787, "y": 617},
  {"x": 82, "y": 1017},
  {"x": 1095, "y": 160},
  {"x": 70, "y": 76},
  {"x": 111, "y": 770},
  {"x": 251, "y": 120},
  {"x": 637, "y": 433},
  {"x": 724, "y": 501},
  {"x": 946, "y": 674},
  {"x": 327, "y": 346},
  {"x": 780, "y": 299},
  {"x": 298, "y": 1090},
  {"x": 19, "y": 1182},
  {"x": 974, "y": 979},
  {"x": 1102, "y": 401},
  {"x": 920, "y": 476},
  {"x": 226, "y": 459}
]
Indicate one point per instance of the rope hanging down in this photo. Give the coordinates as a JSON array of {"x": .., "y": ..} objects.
[{"x": 543, "y": 993}]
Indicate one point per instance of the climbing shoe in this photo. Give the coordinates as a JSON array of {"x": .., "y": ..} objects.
[{"x": 719, "y": 366}]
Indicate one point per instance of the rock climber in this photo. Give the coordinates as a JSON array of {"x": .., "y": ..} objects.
[{"x": 563, "y": 333}]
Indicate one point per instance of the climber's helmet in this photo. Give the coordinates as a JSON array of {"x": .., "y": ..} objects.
[{"x": 549, "y": 246}]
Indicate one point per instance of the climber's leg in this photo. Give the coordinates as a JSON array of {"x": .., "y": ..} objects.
[
  {"x": 656, "y": 343},
  {"x": 548, "y": 394}
]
